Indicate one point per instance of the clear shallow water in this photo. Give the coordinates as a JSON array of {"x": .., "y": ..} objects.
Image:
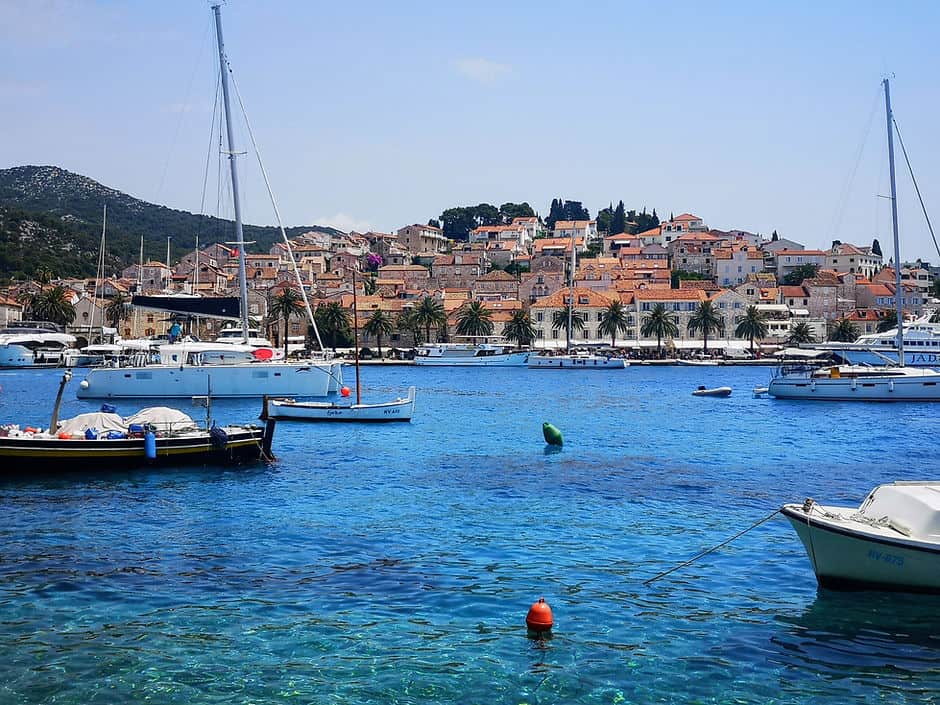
[{"x": 395, "y": 564}]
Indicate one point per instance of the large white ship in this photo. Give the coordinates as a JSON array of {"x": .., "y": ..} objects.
[
  {"x": 921, "y": 346},
  {"x": 34, "y": 344}
]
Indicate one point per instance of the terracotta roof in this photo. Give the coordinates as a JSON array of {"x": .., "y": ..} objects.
[
  {"x": 793, "y": 292},
  {"x": 670, "y": 295},
  {"x": 558, "y": 299},
  {"x": 684, "y": 217},
  {"x": 651, "y": 232},
  {"x": 570, "y": 224}
]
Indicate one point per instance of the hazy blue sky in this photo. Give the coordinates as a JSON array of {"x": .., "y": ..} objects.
[{"x": 378, "y": 114}]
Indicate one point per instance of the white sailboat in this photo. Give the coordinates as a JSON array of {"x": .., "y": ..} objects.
[
  {"x": 401, "y": 409},
  {"x": 864, "y": 383},
  {"x": 222, "y": 369},
  {"x": 573, "y": 360}
]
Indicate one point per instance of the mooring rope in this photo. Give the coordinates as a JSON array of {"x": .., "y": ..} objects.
[{"x": 712, "y": 549}]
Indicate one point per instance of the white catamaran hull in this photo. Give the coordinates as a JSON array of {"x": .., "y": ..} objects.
[
  {"x": 516, "y": 359},
  {"x": 244, "y": 380}
]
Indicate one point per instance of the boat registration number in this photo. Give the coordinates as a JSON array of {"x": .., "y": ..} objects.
[{"x": 888, "y": 558}]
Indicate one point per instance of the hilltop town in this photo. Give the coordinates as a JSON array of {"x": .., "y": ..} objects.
[{"x": 512, "y": 278}]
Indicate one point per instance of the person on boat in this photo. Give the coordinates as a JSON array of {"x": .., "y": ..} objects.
[{"x": 175, "y": 331}]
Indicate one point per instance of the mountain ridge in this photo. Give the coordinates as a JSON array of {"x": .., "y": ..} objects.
[{"x": 67, "y": 208}]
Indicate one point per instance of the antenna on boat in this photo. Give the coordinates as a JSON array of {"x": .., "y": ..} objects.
[
  {"x": 239, "y": 233},
  {"x": 894, "y": 225}
]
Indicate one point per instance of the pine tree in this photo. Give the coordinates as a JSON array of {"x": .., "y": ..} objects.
[
  {"x": 775, "y": 237},
  {"x": 619, "y": 222}
]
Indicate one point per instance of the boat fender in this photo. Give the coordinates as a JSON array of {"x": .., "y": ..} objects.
[
  {"x": 63, "y": 436},
  {"x": 218, "y": 437},
  {"x": 552, "y": 435},
  {"x": 150, "y": 445},
  {"x": 30, "y": 429}
]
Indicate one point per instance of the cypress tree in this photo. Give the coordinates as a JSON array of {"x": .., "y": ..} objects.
[{"x": 619, "y": 222}]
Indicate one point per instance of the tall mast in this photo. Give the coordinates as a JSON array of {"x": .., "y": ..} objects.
[
  {"x": 239, "y": 234},
  {"x": 570, "y": 293},
  {"x": 356, "y": 335},
  {"x": 99, "y": 275},
  {"x": 894, "y": 225}
]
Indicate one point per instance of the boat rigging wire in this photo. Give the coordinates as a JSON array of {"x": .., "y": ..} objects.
[
  {"x": 277, "y": 214},
  {"x": 916, "y": 187},
  {"x": 712, "y": 549},
  {"x": 847, "y": 188}
]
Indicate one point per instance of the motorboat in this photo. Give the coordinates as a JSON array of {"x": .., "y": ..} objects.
[
  {"x": 106, "y": 440},
  {"x": 890, "y": 542},
  {"x": 697, "y": 363},
  {"x": 397, "y": 410},
  {"x": 34, "y": 344},
  {"x": 470, "y": 353},
  {"x": 702, "y": 391},
  {"x": 576, "y": 361},
  {"x": 855, "y": 383}
]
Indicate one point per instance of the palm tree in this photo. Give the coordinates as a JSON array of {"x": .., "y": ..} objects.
[
  {"x": 474, "y": 319},
  {"x": 54, "y": 305},
  {"x": 283, "y": 306},
  {"x": 659, "y": 322},
  {"x": 707, "y": 320},
  {"x": 27, "y": 300},
  {"x": 844, "y": 331},
  {"x": 378, "y": 325},
  {"x": 43, "y": 275},
  {"x": 753, "y": 325},
  {"x": 613, "y": 321},
  {"x": 519, "y": 328},
  {"x": 117, "y": 310},
  {"x": 407, "y": 321},
  {"x": 801, "y": 333},
  {"x": 560, "y": 320},
  {"x": 889, "y": 321},
  {"x": 430, "y": 312},
  {"x": 333, "y": 321}
]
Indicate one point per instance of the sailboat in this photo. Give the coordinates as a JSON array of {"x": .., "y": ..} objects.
[
  {"x": 862, "y": 382},
  {"x": 401, "y": 409},
  {"x": 572, "y": 360},
  {"x": 225, "y": 370}
]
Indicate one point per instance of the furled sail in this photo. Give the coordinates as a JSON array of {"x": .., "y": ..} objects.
[{"x": 211, "y": 307}]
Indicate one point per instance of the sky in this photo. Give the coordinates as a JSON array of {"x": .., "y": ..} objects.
[{"x": 374, "y": 115}]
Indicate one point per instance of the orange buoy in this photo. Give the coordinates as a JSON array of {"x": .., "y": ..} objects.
[
  {"x": 63, "y": 435},
  {"x": 539, "y": 618},
  {"x": 344, "y": 391}
]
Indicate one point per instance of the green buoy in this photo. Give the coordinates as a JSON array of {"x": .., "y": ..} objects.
[{"x": 552, "y": 435}]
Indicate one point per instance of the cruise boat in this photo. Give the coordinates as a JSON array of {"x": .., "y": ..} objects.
[
  {"x": 890, "y": 542},
  {"x": 574, "y": 360},
  {"x": 471, "y": 353},
  {"x": 34, "y": 344},
  {"x": 220, "y": 369},
  {"x": 921, "y": 343}
]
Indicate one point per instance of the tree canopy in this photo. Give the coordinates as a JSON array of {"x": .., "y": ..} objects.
[{"x": 457, "y": 222}]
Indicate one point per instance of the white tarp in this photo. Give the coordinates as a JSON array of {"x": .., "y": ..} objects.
[
  {"x": 162, "y": 417},
  {"x": 99, "y": 420}
]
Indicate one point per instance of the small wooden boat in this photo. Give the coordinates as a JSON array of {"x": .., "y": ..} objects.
[
  {"x": 702, "y": 391},
  {"x": 397, "y": 410},
  {"x": 105, "y": 440}
]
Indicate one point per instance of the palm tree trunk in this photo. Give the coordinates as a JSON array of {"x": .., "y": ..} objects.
[
  {"x": 378, "y": 343},
  {"x": 659, "y": 346},
  {"x": 705, "y": 339},
  {"x": 285, "y": 338}
]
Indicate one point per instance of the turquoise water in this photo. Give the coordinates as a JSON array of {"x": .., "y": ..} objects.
[{"x": 396, "y": 564}]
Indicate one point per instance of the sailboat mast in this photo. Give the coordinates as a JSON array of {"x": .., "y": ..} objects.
[
  {"x": 239, "y": 234},
  {"x": 99, "y": 275},
  {"x": 356, "y": 337},
  {"x": 570, "y": 293},
  {"x": 894, "y": 225}
]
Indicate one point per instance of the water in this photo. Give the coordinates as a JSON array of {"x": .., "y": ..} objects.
[{"x": 396, "y": 563}]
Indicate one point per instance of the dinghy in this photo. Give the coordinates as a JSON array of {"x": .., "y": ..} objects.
[{"x": 714, "y": 392}]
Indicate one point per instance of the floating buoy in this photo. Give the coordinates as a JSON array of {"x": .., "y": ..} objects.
[
  {"x": 552, "y": 435},
  {"x": 539, "y": 618},
  {"x": 344, "y": 391}
]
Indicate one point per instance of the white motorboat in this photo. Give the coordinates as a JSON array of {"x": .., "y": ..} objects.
[
  {"x": 921, "y": 340},
  {"x": 712, "y": 392},
  {"x": 858, "y": 382},
  {"x": 34, "y": 344},
  {"x": 220, "y": 369},
  {"x": 471, "y": 353},
  {"x": 890, "y": 542},
  {"x": 697, "y": 363},
  {"x": 855, "y": 383},
  {"x": 397, "y": 410},
  {"x": 576, "y": 361}
]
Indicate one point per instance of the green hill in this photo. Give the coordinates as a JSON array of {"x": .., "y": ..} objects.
[{"x": 51, "y": 217}]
